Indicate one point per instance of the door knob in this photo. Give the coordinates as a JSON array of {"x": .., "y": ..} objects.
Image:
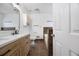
[{"x": 53, "y": 35}]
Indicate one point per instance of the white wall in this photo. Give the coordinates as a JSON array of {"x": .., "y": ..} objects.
[
  {"x": 40, "y": 19},
  {"x": 38, "y": 22}
]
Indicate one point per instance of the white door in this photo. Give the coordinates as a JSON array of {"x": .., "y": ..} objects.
[
  {"x": 36, "y": 26},
  {"x": 66, "y": 41}
]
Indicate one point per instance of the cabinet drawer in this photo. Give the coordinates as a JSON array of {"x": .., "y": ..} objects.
[
  {"x": 13, "y": 52},
  {"x": 7, "y": 48}
]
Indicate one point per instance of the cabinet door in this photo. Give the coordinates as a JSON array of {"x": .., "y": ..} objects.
[
  {"x": 15, "y": 53},
  {"x": 25, "y": 46},
  {"x": 22, "y": 44}
]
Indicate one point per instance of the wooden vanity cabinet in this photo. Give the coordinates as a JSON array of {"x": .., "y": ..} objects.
[
  {"x": 25, "y": 45},
  {"x": 8, "y": 48},
  {"x": 20, "y": 47}
]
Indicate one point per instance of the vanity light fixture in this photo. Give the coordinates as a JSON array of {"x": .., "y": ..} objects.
[{"x": 24, "y": 19}]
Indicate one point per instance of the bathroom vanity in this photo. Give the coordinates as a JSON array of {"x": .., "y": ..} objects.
[{"x": 19, "y": 45}]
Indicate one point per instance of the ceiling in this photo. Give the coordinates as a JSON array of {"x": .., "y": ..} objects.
[
  {"x": 27, "y": 7},
  {"x": 6, "y": 8},
  {"x": 42, "y": 7}
]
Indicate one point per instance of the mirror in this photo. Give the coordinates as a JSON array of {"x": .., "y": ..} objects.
[{"x": 9, "y": 17}]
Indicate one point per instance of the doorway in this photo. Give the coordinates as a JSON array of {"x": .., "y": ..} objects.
[{"x": 48, "y": 31}]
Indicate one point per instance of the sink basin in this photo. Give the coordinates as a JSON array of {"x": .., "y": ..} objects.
[
  {"x": 7, "y": 37},
  {"x": 4, "y": 38}
]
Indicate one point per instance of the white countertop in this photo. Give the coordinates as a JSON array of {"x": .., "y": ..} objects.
[{"x": 9, "y": 39}]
